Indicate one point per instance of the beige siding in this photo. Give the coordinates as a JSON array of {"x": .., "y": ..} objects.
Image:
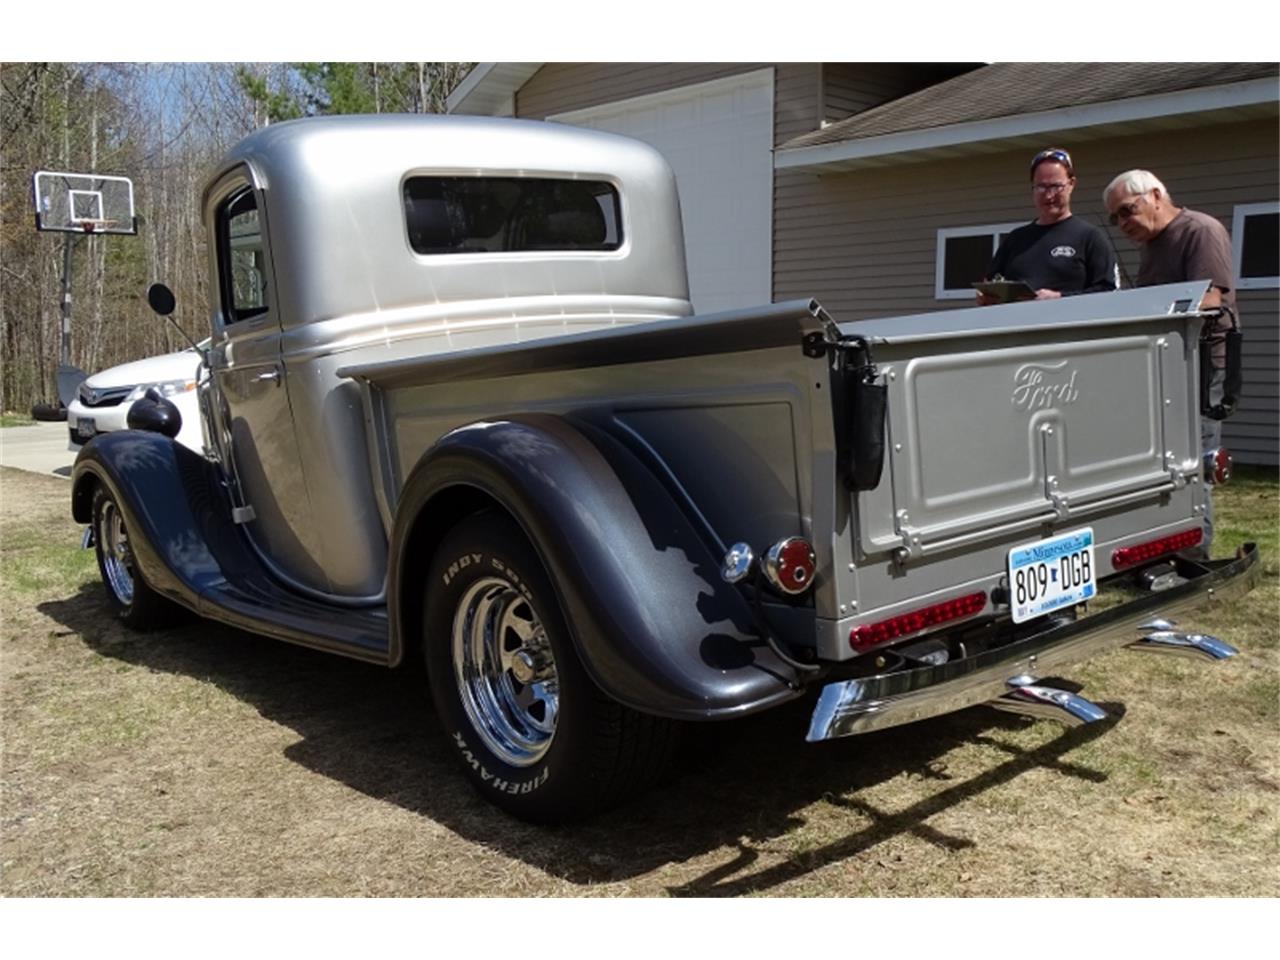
[
  {"x": 561, "y": 87},
  {"x": 864, "y": 243}
]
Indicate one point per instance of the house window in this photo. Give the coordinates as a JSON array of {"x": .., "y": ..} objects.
[
  {"x": 964, "y": 253},
  {"x": 510, "y": 214},
  {"x": 1255, "y": 241}
]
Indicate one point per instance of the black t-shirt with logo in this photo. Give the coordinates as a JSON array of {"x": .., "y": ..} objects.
[{"x": 1070, "y": 256}]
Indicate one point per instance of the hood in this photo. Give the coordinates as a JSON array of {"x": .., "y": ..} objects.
[{"x": 169, "y": 366}]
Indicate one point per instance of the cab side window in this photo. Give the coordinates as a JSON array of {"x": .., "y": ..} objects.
[{"x": 242, "y": 265}]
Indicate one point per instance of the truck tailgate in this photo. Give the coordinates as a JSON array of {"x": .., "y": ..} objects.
[{"x": 1016, "y": 416}]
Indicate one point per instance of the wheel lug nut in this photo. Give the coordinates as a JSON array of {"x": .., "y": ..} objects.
[{"x": 523, "y": 666}]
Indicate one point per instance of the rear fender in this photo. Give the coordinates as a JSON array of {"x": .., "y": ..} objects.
[{"x": 655, "y": 626}]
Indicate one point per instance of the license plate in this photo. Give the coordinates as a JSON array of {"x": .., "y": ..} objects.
[
  {"x": 86, "y": 427},
  {"x": 1049, "y": 574}
]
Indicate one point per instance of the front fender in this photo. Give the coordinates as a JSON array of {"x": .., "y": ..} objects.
[
  {"x": 655, "y": 626},
  {"x": 151, "y": 478}
]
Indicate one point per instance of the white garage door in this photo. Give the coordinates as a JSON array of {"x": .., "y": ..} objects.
[{"x": 718, "y": 138}]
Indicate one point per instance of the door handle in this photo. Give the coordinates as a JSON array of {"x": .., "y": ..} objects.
[{"x": 273, "y": 375}]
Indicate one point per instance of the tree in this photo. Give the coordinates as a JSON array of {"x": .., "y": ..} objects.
[
  {"x": 322, "y": 89},
  {"x": 164, "y": 126}
]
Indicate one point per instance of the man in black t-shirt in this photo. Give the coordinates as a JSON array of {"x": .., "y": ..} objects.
[{"x": 1056, "y": 254}]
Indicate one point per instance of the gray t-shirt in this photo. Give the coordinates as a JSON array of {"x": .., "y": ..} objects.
[{"x": 1194, "y": 246}]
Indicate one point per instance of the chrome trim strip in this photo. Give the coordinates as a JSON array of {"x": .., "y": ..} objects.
[
  {"x": 1195, "y": 645},
  {"x": 874, "y": 703},
  {"x": 1038, "y": 700}
]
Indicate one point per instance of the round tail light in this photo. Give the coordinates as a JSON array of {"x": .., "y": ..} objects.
[
  {"x": 1217, "y": 465},
  {"x": 790, "y": 564}
]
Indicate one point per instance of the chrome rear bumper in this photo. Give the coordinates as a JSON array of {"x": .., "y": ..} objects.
[{"x": 873, "y": 703}]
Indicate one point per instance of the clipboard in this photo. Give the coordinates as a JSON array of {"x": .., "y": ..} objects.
[{"x": 1005, "y": 291}]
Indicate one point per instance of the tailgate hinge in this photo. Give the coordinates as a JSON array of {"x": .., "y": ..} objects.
[
  {"x": 911, "y": 548},
  {"x": 1061, "y": 503},
  {"x": 1177, "y": 471}
]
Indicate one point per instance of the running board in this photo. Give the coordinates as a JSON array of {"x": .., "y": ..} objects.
[
  {"x": 1164, "y": 639},
  {"x": 1031, "y": 699}
]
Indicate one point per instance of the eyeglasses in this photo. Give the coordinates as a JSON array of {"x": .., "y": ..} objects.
[
  {"x": 1126, "y": 210},
  {"x": 1050, "y": 187}
]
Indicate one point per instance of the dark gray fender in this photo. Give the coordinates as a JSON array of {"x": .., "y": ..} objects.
[
  {"x": 654, "y": 624},
  {"x": 149, "y": 475},
  {"x": 189, "y": 551}
]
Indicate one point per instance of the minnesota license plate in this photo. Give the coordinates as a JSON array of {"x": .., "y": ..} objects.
[{"x": 1050, "y": 574}]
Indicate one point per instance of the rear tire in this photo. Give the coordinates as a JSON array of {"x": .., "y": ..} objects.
[
  {"x": 132, "y": 600},
  {"x": 536, "y": 736}
]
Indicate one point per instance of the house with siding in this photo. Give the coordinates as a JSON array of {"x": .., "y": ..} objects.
[{"x": 882, "y": 188}]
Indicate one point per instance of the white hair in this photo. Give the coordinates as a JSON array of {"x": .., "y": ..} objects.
[{"x": 1135, "y": 182}]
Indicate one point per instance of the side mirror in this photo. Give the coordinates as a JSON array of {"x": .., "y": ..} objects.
[
  {"x": 154, "y": 413},
  {"x": 161, "y": 299}
]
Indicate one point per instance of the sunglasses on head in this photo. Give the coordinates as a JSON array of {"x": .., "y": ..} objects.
[{"x": 1054, "y": 154}]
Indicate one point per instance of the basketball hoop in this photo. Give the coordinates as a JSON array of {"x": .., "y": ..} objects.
[
  {"x": 76, "y": 203},
  {"x": 83, "y": 203}
]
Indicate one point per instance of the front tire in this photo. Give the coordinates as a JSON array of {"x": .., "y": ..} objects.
[
  {"x": 536, "y": 736},
  {"x": 132, "y": 600}
]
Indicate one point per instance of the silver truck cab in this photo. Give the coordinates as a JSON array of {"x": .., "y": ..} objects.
[
  {"x": 343, "y": 239},
  {"x": 460, "y": 410}
]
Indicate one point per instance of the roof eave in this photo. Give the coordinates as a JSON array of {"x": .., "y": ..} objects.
[
  {"x": 489, "y": 89},
  {"x": 1220, "y": 102}
]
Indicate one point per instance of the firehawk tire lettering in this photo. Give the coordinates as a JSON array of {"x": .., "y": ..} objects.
[{"x": 512, "y": 787}]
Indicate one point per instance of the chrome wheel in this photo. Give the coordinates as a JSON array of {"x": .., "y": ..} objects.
[
  {"x": 117, "y": 557},
  {"x": 505, "y": 671}
]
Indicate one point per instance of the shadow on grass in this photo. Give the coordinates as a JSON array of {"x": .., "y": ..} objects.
[{"x": 739, "y": 784}]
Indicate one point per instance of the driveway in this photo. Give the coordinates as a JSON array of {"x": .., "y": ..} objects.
[{"x": 39, "y": 448}]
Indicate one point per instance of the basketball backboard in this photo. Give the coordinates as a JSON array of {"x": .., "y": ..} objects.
[{"x": 83, "y": 203}]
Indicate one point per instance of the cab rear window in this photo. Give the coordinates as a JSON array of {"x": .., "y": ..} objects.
[{"x": 510, "y": 214}]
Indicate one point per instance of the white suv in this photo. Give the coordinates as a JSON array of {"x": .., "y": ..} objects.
[{"x": 103, "y": 400}]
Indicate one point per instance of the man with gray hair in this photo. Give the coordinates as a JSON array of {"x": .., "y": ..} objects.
[{"x": 1178, "y": 244}]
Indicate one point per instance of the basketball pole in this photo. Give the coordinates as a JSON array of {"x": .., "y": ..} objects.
[{"x": 65, "y": 354}]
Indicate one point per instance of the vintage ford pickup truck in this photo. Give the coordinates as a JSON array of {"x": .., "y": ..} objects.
[{"x": 457, "y": 407}]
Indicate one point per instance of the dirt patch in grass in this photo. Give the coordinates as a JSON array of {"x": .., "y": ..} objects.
[{"x": 203, "y": 761}]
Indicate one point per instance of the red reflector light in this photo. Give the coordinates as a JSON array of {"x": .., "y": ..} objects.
[
  {"x": 876, "y": 634},
  {"x": 790, "y": 564},
  {"x": 1217, "y": 466},
  {"x": 1142, "y": 552}
]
